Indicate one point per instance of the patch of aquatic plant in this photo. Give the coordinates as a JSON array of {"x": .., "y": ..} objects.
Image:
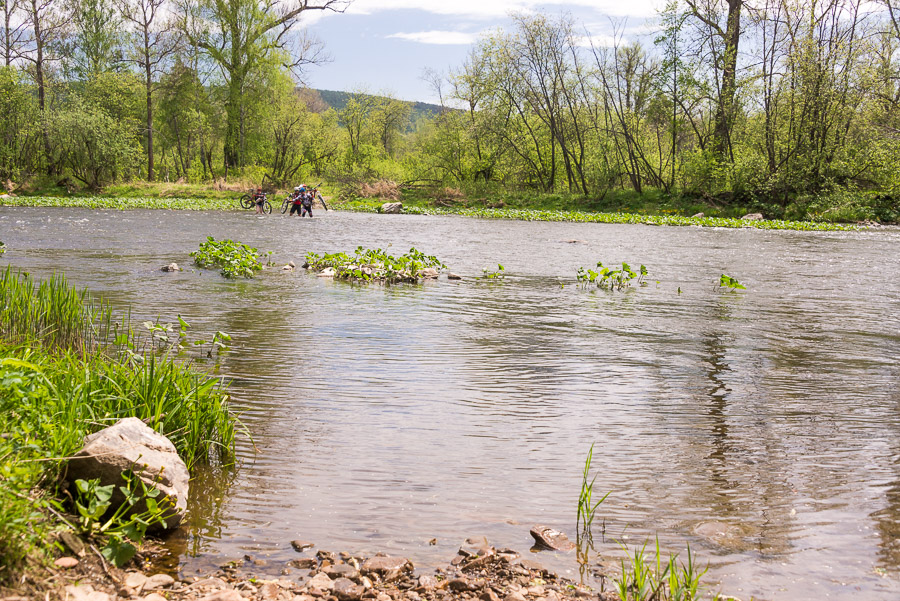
[
  {"x": 649, "y": 577},
  {"x": 375, "y": 265},
  {"x": 587, "y": 507},
  {"x": 122, "y": 203},
  {"x": 2, "y": 247},
  {"x": 235, "y": 258},
  {"x": 726, "y": 281},
  {"x": 493, "y": 274},
  {"x": 611, "y": 279},
  {"x": 124, "y": 528},
  {"x": 628, "y": 218}
]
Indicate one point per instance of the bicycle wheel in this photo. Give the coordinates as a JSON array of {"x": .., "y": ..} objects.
[
  {"x": 322, "y": 200},
  {"x": 246, "y": 201},
  {"x": 284, "y": 205},
  {"x": 267, "y": 208}
]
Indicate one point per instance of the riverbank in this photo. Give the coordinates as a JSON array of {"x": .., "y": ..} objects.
[
  {"x": 478, "y": 571},
  {"x": 838, "y": 207},
  {"x": 372, "y": 205},
  {"x": 68, "y": 368}
]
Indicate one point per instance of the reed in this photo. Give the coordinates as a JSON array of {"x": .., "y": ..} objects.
[
  {"x": 587, "y": 508},
  {"x": 647, "y": 576}
]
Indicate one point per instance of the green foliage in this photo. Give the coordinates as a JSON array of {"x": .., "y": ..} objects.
[
  {"x": 68, "y": 370},
  {"x": 587, "y": 508},
  {"x": 2, "y": 247},
  {"x": 235, "y": 258},
  {"x": 726, "y": 281},
  {"x": 367, "y": 265},
  {"x": 650, "y": 577},
  {"x": 491, "y": 274},
  {"x": 125, "y": 525},
  {"x": 611, "y": 279}
]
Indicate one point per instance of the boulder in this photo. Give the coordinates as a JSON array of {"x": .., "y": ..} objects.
[
  {"x": 328, "y": 272},
  {"x": 698, "y": 215},
  {"x": 170, "y": 267},
  {"x": 753, "y": 217},
  {"x": 429, "y": 273},
  {"x": 301, "y": 545},
  {"x": 392, "y": 207},
  {"x": 548, "y": 538},
  {"x": 158, "y": 581},
  {"x": 132, "y": 445},
  {"x": 453, "y": 276}
]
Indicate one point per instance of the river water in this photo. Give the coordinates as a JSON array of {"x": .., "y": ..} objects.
[{"x": 760, "y": 427}]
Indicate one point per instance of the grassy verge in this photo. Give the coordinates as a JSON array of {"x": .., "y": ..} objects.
[{"x": 67, "y": 370}]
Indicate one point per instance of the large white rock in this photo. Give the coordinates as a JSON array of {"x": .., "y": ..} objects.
[
  {"x": 132, "y": 445},
  {"x": 392, "y": 207}
]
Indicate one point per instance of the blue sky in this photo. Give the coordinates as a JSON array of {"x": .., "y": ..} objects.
[{"x": 384, "y": 45}]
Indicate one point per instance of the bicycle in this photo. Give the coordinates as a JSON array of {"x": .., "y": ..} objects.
[{"x": 248, "y": 201}]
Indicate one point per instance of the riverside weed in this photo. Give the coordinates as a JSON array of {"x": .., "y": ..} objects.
[
  {"x": 587, "y": 508},
  {"x": 650, "y": 577},
  {"x": 124, "y": 528}
]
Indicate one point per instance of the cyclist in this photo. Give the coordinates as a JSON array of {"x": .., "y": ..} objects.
[
  {"x": 306, "y": 202},
  {"x": 259, "y": 198},
  {"x": 297, "y": 197}
]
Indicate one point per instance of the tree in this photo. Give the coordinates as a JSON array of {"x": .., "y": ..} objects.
[
  {"x": 152, "y": 43},
  {"x": 238, "y": 35},
  {"x": 723, "y": 42},
  {"x": 95, "y": 46},
  {"x": 45, "y": 23},
  {"x": 14, "y": 34}
]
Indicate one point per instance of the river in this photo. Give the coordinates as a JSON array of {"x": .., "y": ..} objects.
[{"x": 762, "y": 427}]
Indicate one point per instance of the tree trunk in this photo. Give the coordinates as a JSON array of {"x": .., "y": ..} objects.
[{"x": 725, "y": 109}]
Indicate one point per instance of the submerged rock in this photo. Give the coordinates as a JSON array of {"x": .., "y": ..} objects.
[
  {"x": 170, "y": 267},
  {"x": 453, "y": 276},
  {"x": 132, "y": 445},
  {"x": 429, "y": 273},
  {"x": 547, "y": 537}
]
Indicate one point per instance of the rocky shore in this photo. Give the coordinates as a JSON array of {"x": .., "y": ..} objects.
[{"x": 478, "y": 571}]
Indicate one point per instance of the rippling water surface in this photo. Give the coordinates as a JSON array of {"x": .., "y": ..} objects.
[{"x": 761, "y": 427}]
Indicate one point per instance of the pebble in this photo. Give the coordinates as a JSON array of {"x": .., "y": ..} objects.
[
  {"x": 226, "y": 595},
  {"x": 154, "y": 597},
  {"x": 66, "y": 562},
  {"x": 158, "y": 581}
]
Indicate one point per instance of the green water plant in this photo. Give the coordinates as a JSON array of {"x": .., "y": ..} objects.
[
  {"x": 493, "y": 274},
  {"x": 726, "y": 281},
  {"x": 611, "y": 279},
  {"x": 235, "y": 258},
  {"x": 587, "y": 507},
  {"x": 2, "y": 247},
  {"x": 376, "y": 265},
  {"x": 649, "y": 577}
]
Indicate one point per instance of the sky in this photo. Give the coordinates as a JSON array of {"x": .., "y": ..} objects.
[{"x": 384, "y": 46}]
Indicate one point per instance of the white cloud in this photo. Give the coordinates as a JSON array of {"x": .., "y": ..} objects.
[
  {"x": 437, "y": 37},
  {"x": 501, "y": 8}
]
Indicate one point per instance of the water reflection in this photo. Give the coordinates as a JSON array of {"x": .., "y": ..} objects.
[{"x": 759, "y": 427}]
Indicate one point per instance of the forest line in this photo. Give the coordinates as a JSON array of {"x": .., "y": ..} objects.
[{"x": 787, "y": 107}]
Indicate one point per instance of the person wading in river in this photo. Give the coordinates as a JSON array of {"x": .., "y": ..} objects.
[
  {"x": 307, "y": 200},
  {"x": 299, "y": 193}
]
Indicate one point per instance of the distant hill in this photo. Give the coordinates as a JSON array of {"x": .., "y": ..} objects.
[{"x": 338, "y": 100}]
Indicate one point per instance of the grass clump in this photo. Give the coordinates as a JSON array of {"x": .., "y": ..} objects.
[
  {"x": 67, "y": 369},
  {"x": 726, "y": 281},
  {"x": 587, "y": 508},
  {"x": 375, "y": 265},
  {"x": 237, "y": 260},
  {"x": 649, "y": 577}
]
